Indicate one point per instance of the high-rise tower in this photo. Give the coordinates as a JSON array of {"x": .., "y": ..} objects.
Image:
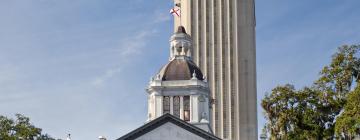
[{"x": 223, "y": 33}]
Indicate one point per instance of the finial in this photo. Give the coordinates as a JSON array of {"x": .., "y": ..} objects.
[
  {"x": 194, "y": 76},
  {"x": 181, "y": 29},
  {"x": 102, "y": 138},
  {"x": 68, "y": 137},
  {"x": 205, "y": 78}
]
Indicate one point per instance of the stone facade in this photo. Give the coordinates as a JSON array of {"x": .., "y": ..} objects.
[
  {"x": 168, "y": 127},
  {"x": 169, "y": 131},
  {"x": 180, "y": 88},
  {"x": 223, "y": 34}
]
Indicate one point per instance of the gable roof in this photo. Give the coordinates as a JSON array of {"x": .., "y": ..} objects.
[{"x": 164, "y": 119}]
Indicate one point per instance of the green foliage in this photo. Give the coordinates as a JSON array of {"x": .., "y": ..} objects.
[
  {"x": 21, "y": 128},
  {"x": 45, "y": 137},
  {"x": 311, "y": 112},
  {"x": 348, "y": 123}
]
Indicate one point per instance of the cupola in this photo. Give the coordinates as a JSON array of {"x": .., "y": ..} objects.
[
  {"x": 180, "y": 44},
  {"x": 180, "y": 88}
]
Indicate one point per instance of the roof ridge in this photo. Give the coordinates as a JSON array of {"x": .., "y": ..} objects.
[{"x": 164, "y": 119}]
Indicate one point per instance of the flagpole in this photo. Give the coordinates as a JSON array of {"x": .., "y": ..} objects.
[
  {"x": 179, "y": 6},
  {"x": 180, "y": 12},
  {"x": 176, "y": 11}
]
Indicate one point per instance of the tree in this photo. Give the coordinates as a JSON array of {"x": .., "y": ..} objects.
[
  {"x": 45, "y": 137},
  {"x": 311, "y": 112},
  {"x": 293, "y": 114},
  {"x": 21, "y": 128},
  {"x": 348, "y": 123}
]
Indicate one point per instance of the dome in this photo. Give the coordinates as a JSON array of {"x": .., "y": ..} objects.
[{"x": 180, "y": 69}]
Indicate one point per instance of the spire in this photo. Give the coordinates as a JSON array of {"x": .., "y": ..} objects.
[
  {"x": 194, "y": 76},
  {"x": 181, "y": 29}
]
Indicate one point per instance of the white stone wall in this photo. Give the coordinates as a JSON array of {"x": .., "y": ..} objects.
[
  {"x": 194, "y": 88},
  {"x": 169, "y": 131},
  {"x": 224, "y": 47}
]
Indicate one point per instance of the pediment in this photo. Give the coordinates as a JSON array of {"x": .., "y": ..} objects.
[{"x": 168, "y": 127}]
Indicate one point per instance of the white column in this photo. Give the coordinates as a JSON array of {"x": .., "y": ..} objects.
[
  {"x": 194, "y": 108},
  {"x": 182, "y": 107},
  {"x": 159, "y": 106},
  {"x": 191, "y": 109},
  {"x": 171, "y": 105}
]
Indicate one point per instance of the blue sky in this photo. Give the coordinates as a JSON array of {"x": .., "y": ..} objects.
[{"x": 81, "y": 67}]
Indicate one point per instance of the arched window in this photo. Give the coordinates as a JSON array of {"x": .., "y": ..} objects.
[
  {"x": 166, "y": 104},
  {"x": 176, "y": 106},
  {"x": 186, "y": 108}
]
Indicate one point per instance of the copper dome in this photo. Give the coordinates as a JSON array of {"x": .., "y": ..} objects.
[{"x": 180, "y": 69}]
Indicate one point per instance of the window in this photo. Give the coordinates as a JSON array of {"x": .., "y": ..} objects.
[
  {"x": 176, "y": 106},
  {"x": 186, "y": 108},
  {"x": 166, "y": 104}
]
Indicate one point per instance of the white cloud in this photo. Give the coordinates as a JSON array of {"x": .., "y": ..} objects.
[
  {"x": 99, "y": 81},
  {"x": 129, "y": 47},
  {"x": 134, "y": 45},
  {"x": 161, "y": 16}
]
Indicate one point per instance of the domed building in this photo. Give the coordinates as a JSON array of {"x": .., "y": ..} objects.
[{"x": 179, "y": 102}]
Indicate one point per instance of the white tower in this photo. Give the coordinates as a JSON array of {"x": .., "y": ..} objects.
[
  {"x": 180, "y": 88},
  {"x": 223, "y": 33}
]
